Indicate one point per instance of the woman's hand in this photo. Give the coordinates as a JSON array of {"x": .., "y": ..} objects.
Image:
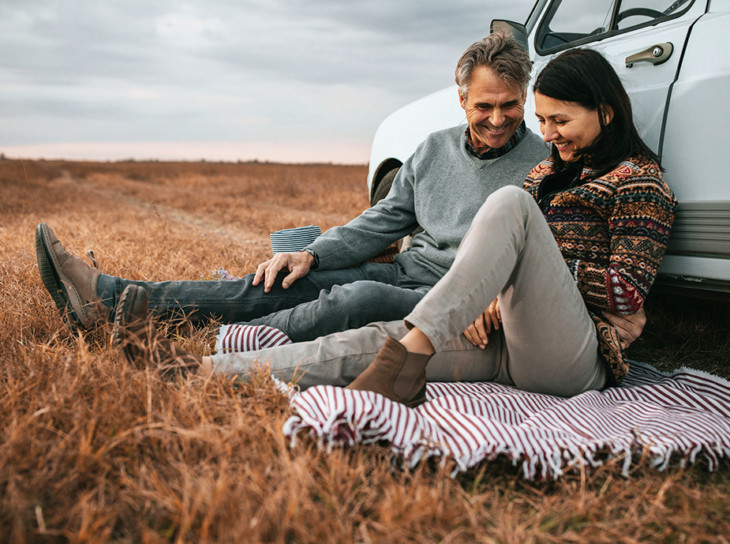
[
  {"x": 482, "y": 326},
  {"x": 629, "y": 327}
]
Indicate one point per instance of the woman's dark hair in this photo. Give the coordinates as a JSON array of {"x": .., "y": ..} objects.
[{"x": 585, "y": 77}]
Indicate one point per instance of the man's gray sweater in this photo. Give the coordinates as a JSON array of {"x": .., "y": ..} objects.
[{"x": 441, "y": 188}]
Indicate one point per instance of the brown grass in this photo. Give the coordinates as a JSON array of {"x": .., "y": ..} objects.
[{"x": 93, "y": 451}]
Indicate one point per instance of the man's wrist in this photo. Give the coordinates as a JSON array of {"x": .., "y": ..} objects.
[{"x": 315, "y": 257}]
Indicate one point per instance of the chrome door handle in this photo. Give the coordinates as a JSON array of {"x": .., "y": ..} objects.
[{"x": 656, "y": 54}]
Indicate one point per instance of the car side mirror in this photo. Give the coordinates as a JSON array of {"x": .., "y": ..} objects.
[{"x": 516, "y": 30}]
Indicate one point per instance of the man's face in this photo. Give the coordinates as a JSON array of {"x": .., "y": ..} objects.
[{"x": 494, "y": 110}]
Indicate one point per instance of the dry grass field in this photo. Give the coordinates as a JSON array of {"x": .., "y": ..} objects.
[{"x": 93, "y": 451}]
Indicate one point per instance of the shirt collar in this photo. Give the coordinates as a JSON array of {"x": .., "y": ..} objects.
[{"x": 495, "y": 153}]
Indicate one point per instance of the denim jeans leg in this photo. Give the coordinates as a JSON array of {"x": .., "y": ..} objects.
[
  {"x": 344, "y": 307},
  {"x": 239, "y": 300},
  {"x": 381, "y": 295}
]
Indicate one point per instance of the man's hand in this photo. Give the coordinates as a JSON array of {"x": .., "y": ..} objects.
[
  {"x": 629, "y": 327},
  {"x": 482, "y": 326},
  {"x": 297, "y": 263}
]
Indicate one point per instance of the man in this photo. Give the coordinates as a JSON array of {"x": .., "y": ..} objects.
[{"x": 319, "y": 291}]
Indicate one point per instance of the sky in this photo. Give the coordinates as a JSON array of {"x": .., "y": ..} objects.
[{"x": 279, "y": 80}]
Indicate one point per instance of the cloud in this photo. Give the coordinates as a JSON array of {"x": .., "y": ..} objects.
[{"x": 192, "y": 71}]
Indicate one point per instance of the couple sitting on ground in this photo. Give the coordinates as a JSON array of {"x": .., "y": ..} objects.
[{"x": 512, "y": 306}]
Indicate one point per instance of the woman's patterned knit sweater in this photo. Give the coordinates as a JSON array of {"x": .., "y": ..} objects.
[{"x": 612, "y": 232}]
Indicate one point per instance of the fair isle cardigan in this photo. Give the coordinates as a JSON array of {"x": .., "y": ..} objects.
[{"x": 612, "y": 231}]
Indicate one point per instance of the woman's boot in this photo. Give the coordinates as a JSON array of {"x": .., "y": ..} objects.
[{"x": 396, "y": 374}]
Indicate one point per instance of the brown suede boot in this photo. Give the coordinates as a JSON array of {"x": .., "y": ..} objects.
[
  {"x": 142, "y": 345},
  {"x": 70, "y": 281},
  {"x": 396, "y": 374}
]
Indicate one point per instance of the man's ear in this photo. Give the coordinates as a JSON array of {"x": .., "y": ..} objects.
[
  {"x": 607, "y": 114},
  {"x": 462, "y": 100}
]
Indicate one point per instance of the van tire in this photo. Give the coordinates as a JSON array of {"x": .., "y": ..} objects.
[
  {"x": 381, "y": 191},
  {"x": 383, "y": 188}
]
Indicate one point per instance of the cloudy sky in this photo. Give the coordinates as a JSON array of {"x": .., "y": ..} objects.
[{"x": 286, "y": 80}]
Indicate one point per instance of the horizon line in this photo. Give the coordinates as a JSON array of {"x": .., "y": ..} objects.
[{"x": 355, "y": 152}]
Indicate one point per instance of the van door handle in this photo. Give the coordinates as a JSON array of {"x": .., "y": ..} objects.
[{"x": 656, "y": 54}]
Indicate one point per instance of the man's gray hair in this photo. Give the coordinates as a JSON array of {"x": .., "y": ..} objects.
[{"x": 499, "y": 52}]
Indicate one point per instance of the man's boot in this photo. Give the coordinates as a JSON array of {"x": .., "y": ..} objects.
[
  {"x": 70, "y": 281},
  {"x": 396, "y": 374}
]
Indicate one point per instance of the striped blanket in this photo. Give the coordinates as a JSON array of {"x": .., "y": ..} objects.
[
  {"x": 663, "y": 416},
  {"x": 241, "y": 338}
]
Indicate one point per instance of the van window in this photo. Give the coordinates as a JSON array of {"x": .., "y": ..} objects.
[
  {"x": 568, "y": 21},
  {"x": 632, "y": 13}
]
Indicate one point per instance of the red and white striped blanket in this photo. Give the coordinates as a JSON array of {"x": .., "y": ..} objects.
[
  {"x": 240, "y": 338},
  {"x": 679, "y": 415}
]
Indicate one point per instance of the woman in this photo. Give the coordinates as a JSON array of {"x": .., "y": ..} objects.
[{"x": 600, "y": 196}]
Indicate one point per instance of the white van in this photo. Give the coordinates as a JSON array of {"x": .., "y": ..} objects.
[{"x": 673, "y": 57}]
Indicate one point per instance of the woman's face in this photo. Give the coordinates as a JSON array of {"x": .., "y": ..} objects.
[{"x": 568, "y": 125}]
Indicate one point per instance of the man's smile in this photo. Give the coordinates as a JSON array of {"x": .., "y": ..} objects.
[{"x": 495, "y": 130}]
